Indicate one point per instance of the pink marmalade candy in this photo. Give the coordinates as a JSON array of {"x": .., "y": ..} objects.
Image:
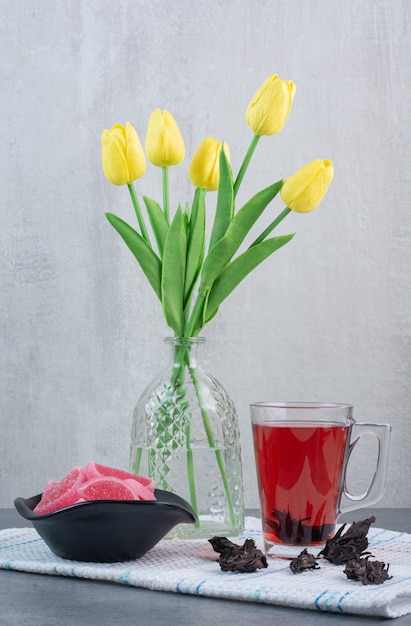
[{"x": 94, "y": 482}]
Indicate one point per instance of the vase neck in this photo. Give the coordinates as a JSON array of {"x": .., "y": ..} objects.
[{"x": 191, "y": 344}]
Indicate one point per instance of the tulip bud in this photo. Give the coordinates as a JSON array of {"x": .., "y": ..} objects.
[
  {"x": 204, "y": 169},
  {"x": 303, "y": 191},
  {"x": 122, "y": 154},
  {"x": 269, "y": 108},
  {"x": 164, "y": 143}
]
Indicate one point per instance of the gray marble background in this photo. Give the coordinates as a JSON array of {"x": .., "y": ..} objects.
[{"x": 326, "y": 318}]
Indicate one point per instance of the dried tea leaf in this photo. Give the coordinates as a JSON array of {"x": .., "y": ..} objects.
[
  {"x": 296, "y": 531},
  {"x": 351, "y": 545},
  {"x": 235, "y": 558},
  {"x": 366, "y": 571},
  {"x": 222, "y": 543},
  {"x": 304, "y": 561}
]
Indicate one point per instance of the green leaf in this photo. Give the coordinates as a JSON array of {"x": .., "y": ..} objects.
[
  {"x": 238, "y": 269},
  {"x": 172, "y": 281},
  {"x": 222, "y": 252},
  {"x": 195, "y": 243},
  {"x": 158, "y": 222},
  {"x": 225, "y": 201},
  {"x": 148, "y": 260}
]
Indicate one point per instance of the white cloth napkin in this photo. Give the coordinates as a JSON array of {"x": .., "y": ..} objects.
[{"x": 190, "y": 567}]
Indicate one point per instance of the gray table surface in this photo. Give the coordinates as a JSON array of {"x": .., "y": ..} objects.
[{"x": 39, "y": 600}]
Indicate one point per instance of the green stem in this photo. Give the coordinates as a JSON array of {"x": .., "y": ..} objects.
[
  {"x": 190, "y": 473},
  {"x": 195, "y": 316},
  {"x": 245, "y": 163},
  {"x": 181, "y": 356},
  {"x": 136, "y": 467},
  {"x": 138, "y": 212},
  {"x": 182, "y": 359},
  {"x": 166, "y": 200},
  {"x": 271, "y": 227},
  {"x": 211, "y": 441},
  {"x": 178, "y": 364}
]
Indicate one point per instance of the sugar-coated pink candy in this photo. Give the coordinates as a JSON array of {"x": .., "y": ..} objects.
[
  {"x": 103, "y": 470},
  {"x": 58, "y": 495},
  {"x": 94, "y": 482},
  {"x": 106, "y": 488},
  {"x": 140, "y": 491}
]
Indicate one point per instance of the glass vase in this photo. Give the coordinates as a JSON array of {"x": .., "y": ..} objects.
[{"x": 185, "y": 436}]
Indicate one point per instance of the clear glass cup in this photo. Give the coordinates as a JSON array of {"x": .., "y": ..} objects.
[{"x": 302, "y": 452}]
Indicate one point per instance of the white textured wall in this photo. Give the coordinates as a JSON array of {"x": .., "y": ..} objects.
[{"x": 327, "y": 318}]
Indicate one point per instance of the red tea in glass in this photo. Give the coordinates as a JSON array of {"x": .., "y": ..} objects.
[
  {"x": 299, "y": 468},
  {"x": 301, "y": 452}
]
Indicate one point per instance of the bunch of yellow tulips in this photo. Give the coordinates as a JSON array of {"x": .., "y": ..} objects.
[{"x": 180, "y": 259}]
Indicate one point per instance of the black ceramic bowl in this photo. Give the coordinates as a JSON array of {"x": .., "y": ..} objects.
[{"x": 106, "y": 531}]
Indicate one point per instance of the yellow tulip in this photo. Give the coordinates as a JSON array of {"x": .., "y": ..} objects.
[
  {"x": 164, "y": 143},
  {"x": 269, "y": 108},
  {"x": 122, "y": 154},
  {"x": 204, "y": 168},
  {"x": 305, "y": 189}
]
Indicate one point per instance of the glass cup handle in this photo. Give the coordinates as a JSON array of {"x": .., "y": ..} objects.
[{"x": 374, "y": 493}]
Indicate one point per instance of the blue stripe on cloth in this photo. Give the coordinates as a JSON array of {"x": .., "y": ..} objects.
[
  {"x": 384, "y": 541},
  {"x": 21, "y": 543},
  {"x": 341, "y": 600},
  {"x": 257, "y": 593},
  {"x": 330, "y": 600},
  {"x": 124, "y": 578},
  {"x": 200, "y": 584},
  {"x": 318, "y": 598}
]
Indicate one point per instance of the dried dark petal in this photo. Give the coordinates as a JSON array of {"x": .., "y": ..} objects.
[
  {"x": 350, "y": 545},
  {"x": 296, "y": 531},
  {"x": 304, "y": 561},
  {"x": 366, "y": 571},
  {"x": 221, "y": 543},
  {"x": 235, "y": 558}
]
